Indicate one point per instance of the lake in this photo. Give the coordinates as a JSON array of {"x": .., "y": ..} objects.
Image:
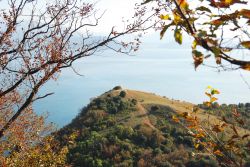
[{"x": 161, "y": 67}]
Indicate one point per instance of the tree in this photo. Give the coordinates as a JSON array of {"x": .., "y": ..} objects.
[
  {"x": 218, "y": 27},
  {"x": 39, "y": 39},
  {"x": 26, "y": 142},
  {"x": 220, "y": 138}
]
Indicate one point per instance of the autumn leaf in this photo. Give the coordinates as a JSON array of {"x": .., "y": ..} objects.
[
  {"x": 225, "y": 3},
  {"x": 246, "y": 44},
  {"x": 246, "y": 67},
  {"x": 196, "y": 145},
  {"x": 218, "y": 152},
  {"x": 218, "y": 60},
  {"x": 217, "y": 128},
  {"x": 183, "y": 4},
  {"x": 198, "y": 58},
  {"x": 217, "y": 22},
  {"x": 178, "y": 36},
  {"x": 213, "y": 99},
  {"x": 185, "y": 114},
  {"x": 245, "y": 13},
  {"x": 207, "y": 103},
  {"x": 175, "y": 119},
  {"x": 208, "y": 94},
  {"x": 177, "y": 18},
  {"x": 165, "y": 17},
  {"x": 245, "y": 136},
  {"x": 199, "y": 135}
]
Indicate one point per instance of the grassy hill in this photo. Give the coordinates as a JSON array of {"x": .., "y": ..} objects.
[{"x": 132, "y": 128}]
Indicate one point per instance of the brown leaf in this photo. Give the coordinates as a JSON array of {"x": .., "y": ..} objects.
[
  {"x": 245, "y": 136},
  {"x": 235, "y": 130},
  {"x": 245, "y": 13},
  {"x": 246, "y": 44}
]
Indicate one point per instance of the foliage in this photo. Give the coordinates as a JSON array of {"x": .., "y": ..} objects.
[
  {"x": 27, "y": 143},
  {"x": 226, "y": 111},
  {"x": 117, "y": 88},
  {"x": 123, "y": 94},
  {"x": 42, "y": 154},
  {"x": 219, "y": 138},
  {"x": 126, "y": 137},
  {"x": 209, "y": 23}
]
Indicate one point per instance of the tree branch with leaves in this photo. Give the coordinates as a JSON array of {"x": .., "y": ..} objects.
[{"x": 219, "y": 28}]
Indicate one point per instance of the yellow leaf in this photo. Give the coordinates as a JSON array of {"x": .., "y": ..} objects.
[
  {"x": 218, "y": 152},
  {"x": 194, "y": 44},
  {"x": 178, "y": 36},
  {"x": 228, "y": 1},
  {"x": 164, "y": 17},
  {"x": 209, "y": 87},
  {"x": 213, "y": 99},
  {"x": 177, "y": 18},
  {"x": 196, "y": 145},
  {"x": 208, "y": 94},
  {"x": 207, "y": 103},
  {"x": 199, "y": 135},
  {"x": 183, "y": 4},
  {"x": 175, "y": 118}
]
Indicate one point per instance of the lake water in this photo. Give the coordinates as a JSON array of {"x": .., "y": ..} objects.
[{"x": 161, "y": 67}]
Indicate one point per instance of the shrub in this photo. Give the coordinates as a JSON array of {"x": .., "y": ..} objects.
[
  {"x": 154, "y": 108},
  {"x": 134, "y": 101},
  {"x": 117, "y": 88},
  {"x": 123, "y": 94}
]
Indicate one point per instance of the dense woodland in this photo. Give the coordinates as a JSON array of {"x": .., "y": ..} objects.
[
  {"x": 107, "y": 133},
  {"x": 104, "y": 136}
]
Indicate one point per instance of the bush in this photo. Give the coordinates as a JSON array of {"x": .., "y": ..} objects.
[
  {"x": 134, "y": 101},
  {"x": 117, "y": 88},
  {"x": 123, "y": 94},
  {"x": 154, "y": 108}
]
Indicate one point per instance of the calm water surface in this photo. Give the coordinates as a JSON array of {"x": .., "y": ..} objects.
[{"x": 158, "y": 67}]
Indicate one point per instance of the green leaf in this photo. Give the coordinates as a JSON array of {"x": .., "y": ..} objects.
[
  {"x": 164, "y": 30},
  {"x": 216, "y": 51},
  {"x": 203, "y": 9},
  {"x": 146, "y": 1},
  {"x": 178, "y": 36}
]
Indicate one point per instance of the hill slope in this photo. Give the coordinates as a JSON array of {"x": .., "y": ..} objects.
[{"x": 131, "y": 128}]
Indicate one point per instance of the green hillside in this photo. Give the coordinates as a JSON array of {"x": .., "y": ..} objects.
[{"x": 132, "y": 128}]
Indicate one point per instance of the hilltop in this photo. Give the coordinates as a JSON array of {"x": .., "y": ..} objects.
[{"x": 132, "y": 128}]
